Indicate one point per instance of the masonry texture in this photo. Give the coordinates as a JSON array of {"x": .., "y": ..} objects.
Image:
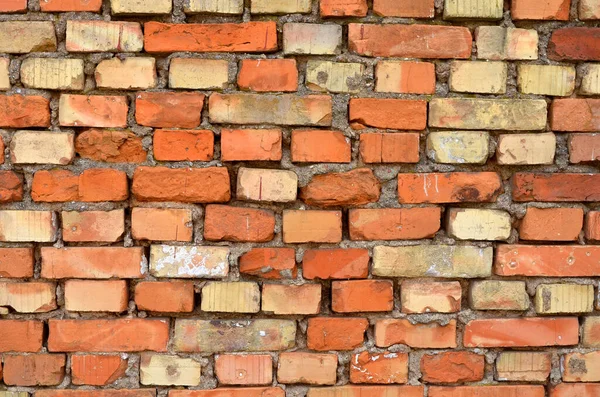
[{"x": 290, "y": 198}]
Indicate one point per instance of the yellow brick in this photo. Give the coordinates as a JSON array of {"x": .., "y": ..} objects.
[
  {"x": 53, "y": 74},
  {"x": 478, "y": 77},
  {"x": 101, "y": 36},
  {"x": 291, "y": 299},
  {"x": 526, "y": 149},
  {"x": 21, "y": 37},
  {"x": 4, "y": 74},
  {"x": 256, "y": 184},
  {"x": 311, "y": 38},
  {"x": 458, "y": 147},
  {"x": 334, "y": 76},
  {"x": 430, "y": 297},
  {"x": 14, "y": 394},
  {"x": 590, "y": 84},
  {"x": 41, "y": 147},
  {"x": 231, "y": 297},
  {"x": 30, "y": 297},
  {"x": 280, "y": 6},
  {"x": 523, "y": 366},
  {"x": 214, "y": 6},
  {"x": 473, "y": 9},
  {"x": 589, "y": 9},
  {"x": 201, "y": 74},
  {"x": 546, "y": 80},
  {"x": 189, "y": 261},
  {"x": 498, "y": 43},
  {"x": 478, "y": 224},
  {"x": 499, "y": 295},
  {"x": 564, "y": 298},
  {"x": 128, "y": 74},
  {"x": 141, "y": 6},
  {"x": 164, "y": 370},
  {"x": 27, "y": 226},
  {"x": 581, "y": 367},
  {"x": 590, "y": 338}
]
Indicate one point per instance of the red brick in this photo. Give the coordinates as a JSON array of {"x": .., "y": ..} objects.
[
  {"x": 343, "y": 8},
  {"x": 97, "y": 393},
  {"x": 584, "y": 148},
  {"x": 70, "y": 5},
  {"x": 397, "y": 114},
  {"x": 165, "y": 296},
  {"x": 169, "y": 109},
  {"x": 553, "y": 224},
  {"x": 161, "y": 224},
  {"x": 555, "y": 187},
  {"x": 451, "y": 187},
  {"x": 16, "y": 262},
  {"x": 328, "y": 333},
  {"x": 229, "y": 392},
  {"x": 183, "y": 145},
  {"x": 103, "y": 184},
  {"x": 370, "y": 391},
  {"x": 532, "y": 332},
  {"x": 11, "y": 187},
  {"x": 592, "y": 227},
  {"x": 307, "y": 368},
  {"x": 575, "y": 390},
  {"x": 93, "y": 262},
  {"x": 575, "y": 114},
  {"x": 96, "y": 226},
  {"x": 115, "y": 335},
  {"x": 362, "y": 296},
  {"x": 405, "y": 77},
  {"x": 488, "y": 391},
  {"x": 575, "y": 44},
  {"x": 95, "y": 370},
  {"x": 55, "y": 186},
  {"x": 250, "y": 145},
  {"x": 404, "y": 8},
  {"x": 187, "y": 185},
  {"x": 394, "y": 223},
  {"x": 21, "y": 336},
  {"x": 228, "y": 223},
  {"x": 319, "y": 146},
  {"x": 246, "y": 369},
  {"x": 380, "y": 368},
  {"x": 34, "y": 369},
  {"x": 96, "y": 296},
  {"x": 271, "y": 263},
  {"x": 352, "y": 188},
  {"x": 13, "y": 6},
  {"x": 110, "y": 146},
  {"x": 410, "y": 41},
  {"x": 389, "y": 148},
  {"x": 555, "y": 10},
  {"x": 266, "y": 75},
  {"x": 452, "y": 367},
  {"x": 430, "y": 336},
  {"x": 223, "y": 37},
  {"x": 93, "y": 111},
  {"x": 547, "y": 260},
  {"x": 20, "y": 111},
  {"x": 336, "y": 263}
]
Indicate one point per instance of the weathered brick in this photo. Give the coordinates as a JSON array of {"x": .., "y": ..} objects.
[
  {"x": 93, "y": 262},
  {"x": 556, "y": 10},
  {"x": 291, "y": 299},
  {"x": 97, "y": 393},
  {"x": 488, "y": 114},
  {"x": 405, "y": 8},
  {"x": 161, "y": 224},
  {"x": 21, "y": 37},
  {"x": 266, "y": 75},
  {"x": 452, "y": 367},
  {"x": 554, "y": 224},
  {"x": 394, "y": 223},
  {"x": 334, "y": 76},
  {"x": 337, "y": 263},
  {"x": 555, "y": 187},
  {"x": 165, "y": 296},
  {"x": 378, "y": 148},
  {"x": 23, "y": 111},
  {"x": 499, "y": 295},
  {"x": 533, "y": 332},
  {"x": 405, "y": 77},
  {"x": 498, "y": 43},
  {"x": 34, "y": 369},
  {"x": 127, "y": 74},
  {"x": 352, "y": 188},
  {"x": 218, "y": 37},
  {"x": 312, "y": 39},
  {"x": 169, "y": 109},
  {"x": 526, "y": 149},
  {"x": 229, "y": 223},
  {"x": 93, "y": 111},
  {"x": 251, "y": 145},
  {"x": 329, "y": 333},
  {"x": 30, "y": 297},
  {"x": 4, "y": 74},
  {"x": 231, "y": 392},
  {"x": 478, "y": 224},
  {"x": 575, "y": 114},
  {"x": 96, "y": 296},
  {"x": 21, "y": 336},
  {"x": 421, "y": 335},
  {"x": 442, "y": 261},
  {"x": 183, "y": 145},
  {"x": 379, "y": 368},
  {"x": 320, "y": 146},
  {"x": 110, "y": 146},
  {"x": 40, "y": 147},
  {"x": 144, "y": 7},
  {"x": 189, "y": 261},
  {"x": 589, "y": 9},
  {"x": 307, "y": 368},
  {"x": 478, "y": 77},
  {"x": 96, "y": 370},
  {"x": 11, "y": 187},
  {"x": 553, "y": 80},
  {"x": 280, "y": 7},
  {"x": 211, "y": 336},
  {"x": 590, "y": 83},
  {"x": 70, "y": 5},
  {"x": 99, "y": 36},
  {"x": 247, "y": 369},
  {"x": 200, "y": 74},
  {"x": 27, "y": 226},
  {"x": 167, "y": 370},
  {"x": 53, "y": 73},
  {"x": 372, "y": 391},
  {"x": 254, "y": 184},
  {"x": 399, "y": 114},
  {"x": 481, "y": 9},
  {"x": 362, "y": 296},
  {"x": 305, "y": 226},
  {"x": 271, "y": 263},
  {"x": 574, "y": 44},
  {"x": 214, "y": 6},
  {"x": 231, "y": 297},
  {"x": 409, "y": 41},
  {"x": 458, "y": 147},
  {"x": 564, "y": 298},
  {"x": 581, "y": 367},
  {"x": 10, "y": 6},
  {"x": 16, "y": 262},
  {"x": 430, "y": 297},
  {"x": 592, "y": 226},
  {"x": 488, "y": 391},
  {"x": 93, "y": 185},
  {"x": 591, "y": 332},
  {"x": 343, "y": 8},
  {"x": 523, "y": 366}
]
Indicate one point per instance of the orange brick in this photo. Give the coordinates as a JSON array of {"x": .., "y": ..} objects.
[
  {"x": 183, "y": 145},
  {"x": 229, "y": 392},
  {"x": 95, "y": 226},
  {"x": 397, "y": 114},
  {"x": 228, "y": 223},
  {"x": 250, "y": 145},
  {"x": 394, "y": 223},
  {"x": 404, "y": 8},
  {"x": 362, "y": 296},
  {"x": 254, "y": 369},
  {"x": 13, "y": 6},
  {"x": 291, "y": 299},
  {"x": 554, "y": 224},
  {"x": 93, "y": 185},
  {"x": 352, "y": 188},
  {"x": 55, "y": 186},
  {"x": 343, "y": 8},
  {"x": 110, "y": 146},
  {"x": 265, "y": 75},
  {"x": 337, "y": 263},
  {"x": 389, "y": 148},
  {"x": 429, "y": 335},
  {"x": 405, "y": 77},
  {"x": 16, "y": 262},
  {"x": 21, "y": 336},
  {"x": 319, "y": 146},
  {"x": 20, "y": 111},
  {"x": 528, "y": 187},
  {"x": 328, "y": 333},
  {"x": 452, "y": 367},
  {"x": 556, "y": 10},
  {"x": 488, "y": 391},
  {"x": 93, "y": 111},
  {"x": 307, "y": 368},
  {"x": 592, "y": 227},
  {"x": 574, "y": 390},
  {"x": 161, "y": 224},
  {"x": 379, "y": 368},
  {"x": 274, "y": 263},
  {"x": 165, "y": 296},
  {"x": 303, "y": 226},
  {"x": 34, "y": 369},
  {"x": 11, "y": 187},
  {"x": 115, "y": 335},
  {"x": 95, "y": 370},
  {"x": 430, "y": 297},
  {"x": 96, "y": 296},
  {"x": 576, "y": 114},
  {"x": 70, "y": 5},
  {"x": 169, "y": 109}
]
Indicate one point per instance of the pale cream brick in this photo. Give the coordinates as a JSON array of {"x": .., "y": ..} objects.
[
  {"x": 30, "y": 297},
  {"x": 21, "y": 37},
  {"x": 281, "y": 6},
  {"x": 523, "y": 366},
  {"x": 27, "y": 226},
  {"x": 564, "y": 298},
  {"x": 589, "y": 9},
  {"x": 189, "y": 261},
  {"x": 42, "y": 147},
  {"x": 256, "y": 184},
  {"x": 444, "y": 261},
  {"x": 499, "y": 295},
  {"x": 334, "y": 76},
  {"x": 430, "y": 297},
  {"x": 53, "y": 74},
  {"x": 14, "y": 394},
  {"x": 581, "y": 367},
  {"x": 291, "y": 299},
  {"x": 590, "y": 84},
  {"x": 311, "y": 38},
  {"x": 214, "y": 6},
  {"x": 4, "y": 74},
  {"x": 167, "y": 370},
  {"x": 498, "y": 43},
  {"x": 129, "y": 7},
  {"x": 231, "y": 297},
  {"x": 478, "y": 77},
  {"x": 200, "y": 74},
  {"x": 473, "y": 9},
  {"x": 551, "y": 80},
  {"x": 478, "y": 224},
  {"x": 128, "y": 74},
  {"x": 458, "y": 147},
  {"x": 101, "y": 36},
  {"x": 526, "y": 149}
]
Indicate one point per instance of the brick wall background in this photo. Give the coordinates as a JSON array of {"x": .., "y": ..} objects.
[{"x": 322, "y": 198}]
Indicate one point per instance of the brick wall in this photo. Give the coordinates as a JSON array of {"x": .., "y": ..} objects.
[{"x": 322, "y": 198}]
